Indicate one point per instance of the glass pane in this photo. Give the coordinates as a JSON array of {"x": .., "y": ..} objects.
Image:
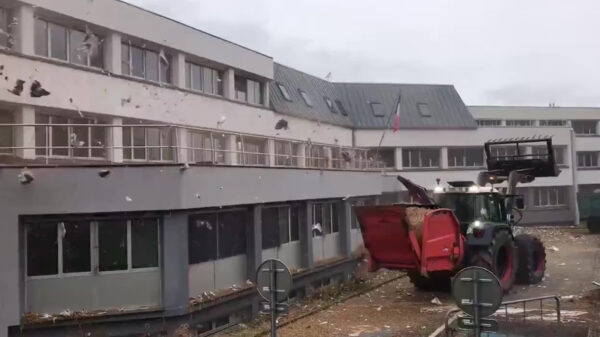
[
  {"x": 240, "y": 88},
  {"x": 151, "y": 66},
  {"x": 112, "y": 245},
  {"x": 58, "y": 41},
  {"x": 139, "y": 143},
  {"x": 218, "y": 80},
  {"x": 60, "y": 137},
  {"x": 153, "y": 135},
  {"x": 76, "y": 53},
  {"x": 334, "y": 218},
  {"x": 79, "y": 138},
  {"x": 232, "y": 233},
  {"x": 76, "y": 246},
  {"x": 125, "y": 64},
  {"x": 98, "y": 139},
  {"x": 127, "y": 143},
  {"x": 284, "y": 224},
  {"x": 294, "y": 223},
  {"x": 137, "y": 62},
  {"x": 326, "y": 217},
  {"x": 270, "y": 228},
  {"x": 41, "y": 135},
  {"x": 41, "y": 38},
  {"x": 165, "y": 70},
  {"x": 552, "y": 196},
  {"x": 4, "y": 26},
  {"x": 207, "y": 80},
  {"x": 144, "y": 243},
  {"x": 196, "y": 77},
  {"x": 219, "y": 146},
  {"x": 97, "y": 56},
  {"x": 202, "y": 237},
  {"x": 167, "y": 139},
  {"x": 6, "y": 133},
  {"x": 42, "y": 249},
  {"x": 188, "y": 75}
]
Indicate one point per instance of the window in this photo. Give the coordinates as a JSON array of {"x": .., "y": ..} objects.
[
  {"x": 503, "y": 152},
  {"x": 206, "y": 147},
  {"x": 489, "y": 122},
  {"x": 216, "y": 235},
  {"x": 6, "y": 133},
  {"x": 381, "y": 158},
  {"x": 423, "y": 109},
  {"x": 412, "y": 158},
  {"x": 284, "y": 92},
  {"x": 145, "y": 63},
  {"x": 284, "y": 154},
  {"x": 587, "y": 159},
  {"x": 5, "y": 41},
  {"x": 72, "y": 45},
  {"x": 279, "y": 225},
  {"x": 553, "y": 122},
  {"x": 330, "y": 105},
  {"x": 377, "y": 109},
  {"x": 62, "y": 247},
  {"x": 584, "y": 127},
  {"x": 465, "y": 157},
  {"x": 316, "y": 156},
  {"x": 203, "y": 79},
  {"x": 363, "y": 202},
  {"x": 325, "y": 218},
  {"x": 247, "y": 90},
  {"x": 306, "y": 98},
  {"x": 252, "y": 151},
  {"x": 148, "y": 143},
  {"x": 541, "y": 152},
  {"x": 69, "y": 137},
  {"x": 519, "y": 122},
  {"x": 341, "y": 108},
  {"x": 549, "y": 196}
]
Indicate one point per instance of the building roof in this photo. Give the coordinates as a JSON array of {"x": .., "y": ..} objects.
[{"x": 446, "y": 108}]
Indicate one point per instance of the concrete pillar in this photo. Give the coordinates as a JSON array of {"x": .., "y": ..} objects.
[
  {"x": 175, "y": 266},
  {"x": 398, "y": 158},
  {"x": 182, "y": 145},
  {"x": 328, "y": 157},
  {"x": 229, "y": 83},
  {"x": 345, "y": 223},
  {"x": 598, "y": 127},
  {"x": 306, "y": 240},
  {"x": 444, "y": 158},
  {"x": 254, "y": 242},
  {"x": 24, "y": 31},
  {"x": 114, "y": 140},
  {"x": 111, "y": 48},
  {"x": 178, "y": 70},
  {"x": 271, "y": 152},
  {"x": 301, "y": 155},
  {"x": 25, "y": 135},
  {"x": 265, "y": 93},
  {"x": 231, "y": 150}
]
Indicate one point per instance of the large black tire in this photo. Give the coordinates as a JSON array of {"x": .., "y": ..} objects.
[
  {"x": 593, "y": 224},
  {"x": 435, "y": 281},
  {"x": 500, "y": 257},
  {"x": 532, "y": 259}
]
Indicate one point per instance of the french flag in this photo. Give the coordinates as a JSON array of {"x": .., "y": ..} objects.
[{"x": 397, "y": 123}]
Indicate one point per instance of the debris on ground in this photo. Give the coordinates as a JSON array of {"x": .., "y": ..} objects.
[
  {"x": 553, "y": 248},
  {"x": 436, "y": 301}
]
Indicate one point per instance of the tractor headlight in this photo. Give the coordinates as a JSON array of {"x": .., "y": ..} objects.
[
  {"x": 474, "y": 189},
  {"x": 476, "y": 228},
  {"x": 438, "y": 189}
]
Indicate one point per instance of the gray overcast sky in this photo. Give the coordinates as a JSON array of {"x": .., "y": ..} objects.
[{"x": 495, "y": 52}]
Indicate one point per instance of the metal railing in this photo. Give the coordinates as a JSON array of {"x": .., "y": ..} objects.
[{"x": 56, "y": 143}]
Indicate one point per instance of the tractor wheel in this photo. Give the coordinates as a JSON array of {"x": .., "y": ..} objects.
[
  {"x": 532, "y": 259},
  {"x": 593, "y": 224},
  {"x": 501, "y": 258},
  {"x": 434, "y": 282}
]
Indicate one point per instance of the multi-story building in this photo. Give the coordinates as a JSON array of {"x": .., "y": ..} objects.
[{"x": 148, "y": 168}]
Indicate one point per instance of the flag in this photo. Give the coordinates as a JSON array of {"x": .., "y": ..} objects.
[{"x": 397, "y": 123}]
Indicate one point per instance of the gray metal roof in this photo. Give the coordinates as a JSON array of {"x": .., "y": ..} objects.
[
  {"x": 447, "y": 109},
  {"x": 315, "y": 87}
]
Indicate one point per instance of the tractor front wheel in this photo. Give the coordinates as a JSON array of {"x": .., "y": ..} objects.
[
  {"x": 500, "y": 257},
  {"x": 532, "y": 259}
]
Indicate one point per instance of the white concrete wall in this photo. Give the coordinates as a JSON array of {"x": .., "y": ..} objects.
[
  {"x": 103, "y": 95},
  {"x": 117, "y": 16}
]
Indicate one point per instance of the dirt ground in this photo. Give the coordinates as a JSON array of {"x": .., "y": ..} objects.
[{"x": 397, "y": 309}]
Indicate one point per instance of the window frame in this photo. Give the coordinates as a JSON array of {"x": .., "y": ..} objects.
[
  {"x": 9, "y": 131},
  {"x": 47, "y": 129},
  {"x": 538, "y": 194},
  {"x": 284, "y": 92},
  {"x": 329, "y": 104},
  {"x": 520, "y": 123},
  {"x": 423, "y": 109},
  {"x": 288, "y": 208},
  {"x": 216, "y": 78},
  {"x": 552, "y": 122},
  {"x": 419, "y": 158},
  {"x": 334, "y": 217},
  {"x": 340, "y": 107},
  {"x": 306, "y": 98},
  {"x": 161, "y": 147},
  {"x": 589, "y": 157},
  {"x": 489, "y": 122},
  {"x": 464, "y": 154},
  {"x": 169, "y": 73},
  {"x": 379, "y": 112},
  {"x": 587, "y": 130}
]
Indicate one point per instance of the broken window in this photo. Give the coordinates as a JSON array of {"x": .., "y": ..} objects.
[
  {"x": 489, "y": 122},
  {"x": 325, "y": 218},
  {"x": 519, "y": 122},
  {"x": 76, "y": 53},
  {"x": 381, "y": 158},
  {"x": 151, "y": 66},
  {"x": 416, "y": 157},
  {"x": 144, "y": 243},
  {"x": 549, "y": 196},
  {"x": 231, "y": 233},
  {"x": 465, "y": 157},
  {"x": 584, "y": 127},
  {"x": 6, "y": 132},
  {"x": 587, "y": 159},
  {"x": 112, "y": 245},
  {"x": 306, "y": 98},
  {"x": 377, "y": 109},
  {"x": 76, "y": 248},
  {"x": 62, "y": 43},
  {"x": 145, "y": 63},
  {"x": 202, "y": 237},
  {"x": 42, "y": 249},
  {"x": 5, "y": 40}
]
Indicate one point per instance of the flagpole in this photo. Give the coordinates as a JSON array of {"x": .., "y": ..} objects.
[{"x": 387, "y": 124}]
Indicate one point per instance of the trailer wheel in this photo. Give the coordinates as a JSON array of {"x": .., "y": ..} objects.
[
  {"x": 500, "y": 257},
  {"x": 532, "y": 259},
  {"x": 593, "y": 224},
  {"x": 435, "y": 282}
]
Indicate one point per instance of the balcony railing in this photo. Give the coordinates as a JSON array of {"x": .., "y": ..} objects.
[{"x": 81, "y": 144}]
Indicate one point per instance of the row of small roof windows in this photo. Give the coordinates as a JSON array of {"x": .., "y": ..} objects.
[
  {"x": 378, "y": 111},
  {"x": 334, "y": 108}
]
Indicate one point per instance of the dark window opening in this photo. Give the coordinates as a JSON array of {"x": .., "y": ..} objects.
[
  {"x": 270, "y": 227},
  {"x": 202, "y": 237},
  {"x": 42, "y": 249},
  {"x": 76, "y": 249},
  {"x": 231, "y": 233},
  {"x": 112, "y": 245},
  {"x": 341, "y": 108},
  {"x": 144, "y": 243}
]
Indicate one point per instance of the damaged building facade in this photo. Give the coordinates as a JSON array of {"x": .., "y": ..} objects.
[{"x": 148, "y": 168}]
